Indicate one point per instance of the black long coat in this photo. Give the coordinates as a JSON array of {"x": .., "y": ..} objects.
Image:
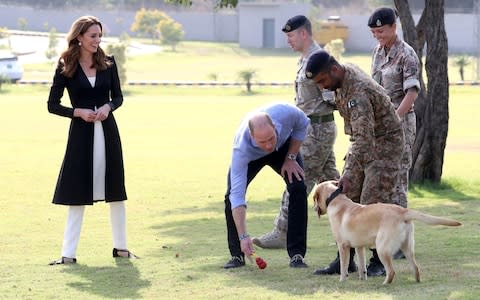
[{"x": 75, "y": 181}]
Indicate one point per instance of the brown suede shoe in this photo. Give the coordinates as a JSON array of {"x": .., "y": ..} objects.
[{"x": 274, "y": 239}]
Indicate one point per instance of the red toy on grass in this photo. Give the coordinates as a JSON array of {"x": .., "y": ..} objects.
[{"x": 262, "y": 264}]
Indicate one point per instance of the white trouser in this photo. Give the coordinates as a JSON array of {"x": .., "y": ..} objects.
[
  {"x": 99, "y": 164},
  {"x": 74, "y": 226}
]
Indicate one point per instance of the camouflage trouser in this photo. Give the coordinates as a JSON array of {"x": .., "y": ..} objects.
[
  {"x": 375, "y": 182},
  {"x": 319, "y": 163},
  {"x": 400, "y": 194}
]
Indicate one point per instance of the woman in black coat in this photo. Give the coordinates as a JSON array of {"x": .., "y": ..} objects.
[{"x": 92, "y": 169}]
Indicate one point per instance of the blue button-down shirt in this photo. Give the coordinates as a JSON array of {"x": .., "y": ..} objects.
[{"x": 289, "y": 121}]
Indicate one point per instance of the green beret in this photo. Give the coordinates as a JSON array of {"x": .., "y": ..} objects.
[
  {"x": 317, "y": 62},
  {"x": 382, "y": 16},
  {"x": 294, "y": 23}
]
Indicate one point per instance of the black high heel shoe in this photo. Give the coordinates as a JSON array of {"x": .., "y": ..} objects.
[
  {"x": 64, "y": 261},
  {"x": 126, "y": 254}
]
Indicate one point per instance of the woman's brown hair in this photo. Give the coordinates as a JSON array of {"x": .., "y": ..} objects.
[{"x": 69, "y": 58}]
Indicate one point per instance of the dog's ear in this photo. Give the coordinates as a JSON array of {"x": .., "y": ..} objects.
[
  {"x": 315, "y": 193},
  {"x": 316, "y": 199}
]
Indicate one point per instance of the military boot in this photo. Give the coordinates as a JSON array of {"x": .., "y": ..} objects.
[
  {"x": 375, "y": 267},
  {"x": 334, "y": 267},
  {"x": 274, "y": 239}
]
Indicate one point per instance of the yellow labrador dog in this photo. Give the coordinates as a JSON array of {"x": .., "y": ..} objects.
[{"x": 386, "y": 227}]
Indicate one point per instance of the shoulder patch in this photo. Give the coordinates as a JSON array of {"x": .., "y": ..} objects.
[{"x": 352, "y": 103}]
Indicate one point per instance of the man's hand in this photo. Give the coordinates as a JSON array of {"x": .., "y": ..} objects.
[
  {"x": 247, "y": 246},
  {"x": 291, "y": 167}
]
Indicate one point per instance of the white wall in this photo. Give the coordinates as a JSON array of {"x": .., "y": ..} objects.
[
  {"x": 115, "y": 22},
  {"x": 221, "y": 26},
  {"x": 208, "y": 26},
  {"x": 461, "y": 33},
  {"x": 460, "y": 30},
  {"x": 250, "y": 21}
]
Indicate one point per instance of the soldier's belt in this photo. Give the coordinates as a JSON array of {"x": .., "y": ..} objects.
[{"x": 322, "y": 119}]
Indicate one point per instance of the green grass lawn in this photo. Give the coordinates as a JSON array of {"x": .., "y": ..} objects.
[{"x": 177, "y": 149}]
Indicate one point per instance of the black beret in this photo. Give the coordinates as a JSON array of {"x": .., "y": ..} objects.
[
  {"x": 294, "y": 23},
  {"x": 316, "y": 63},
  {"x": 382, "y": 16}
]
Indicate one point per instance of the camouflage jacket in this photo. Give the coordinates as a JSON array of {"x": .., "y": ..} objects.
[
  {"x": 397, "y": 70},
  {"x": 368, "y": 116}
]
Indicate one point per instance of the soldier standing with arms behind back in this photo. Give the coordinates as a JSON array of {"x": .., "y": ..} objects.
[
  {"x": 395, "y": 66},
  {"x": 317, "y": 149}
]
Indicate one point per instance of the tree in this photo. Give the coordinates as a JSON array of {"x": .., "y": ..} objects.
[
  {"x": 461, "y": 62},
  {"x": 171, "y": 32},
  {"x": 431, "y": 106},
  {"x": 118, "y": 51},
  {"x": 246, "y": 76},
  {"x": 5, "y": 34},
  {"x": 146, "y": 22},
  {"x": 3, "y": 79},
  {"x": 51, "y": 51},
  {"x": 22, "y": 23}
]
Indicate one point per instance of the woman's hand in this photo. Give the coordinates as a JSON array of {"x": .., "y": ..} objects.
[
  {"x": 86, "y": 114},
  {"x": 102, "y": 112}
]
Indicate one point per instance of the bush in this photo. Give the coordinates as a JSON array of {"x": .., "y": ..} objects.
[{"x": 118, "y": 51}]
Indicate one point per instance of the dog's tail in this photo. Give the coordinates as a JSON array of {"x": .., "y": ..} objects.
[{"x": 429, "y": 219}]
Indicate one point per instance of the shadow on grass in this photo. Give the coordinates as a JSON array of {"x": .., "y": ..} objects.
[
  {"x": 122, "y": 281},
  {"x": 256, "y": 206},
  {"x": 200, "y": 249},
  {"x": 451, "y": 189}
]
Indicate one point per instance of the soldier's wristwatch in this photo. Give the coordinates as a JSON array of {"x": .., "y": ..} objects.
[{"x": 291, "y": 156}]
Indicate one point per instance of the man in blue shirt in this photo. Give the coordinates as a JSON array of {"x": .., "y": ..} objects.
[{"x": 271, "y": 135}]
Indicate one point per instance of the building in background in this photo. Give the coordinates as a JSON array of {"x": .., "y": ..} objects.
[{"x": 254, "y": 24}]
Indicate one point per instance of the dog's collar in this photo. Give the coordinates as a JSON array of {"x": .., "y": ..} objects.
[{"x": 333, "y": 195}]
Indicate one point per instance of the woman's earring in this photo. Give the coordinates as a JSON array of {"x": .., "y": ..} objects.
[{"x": 80, "y": 43}]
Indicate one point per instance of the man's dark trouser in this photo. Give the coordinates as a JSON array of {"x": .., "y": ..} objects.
[{"x": 297, "y": 220}]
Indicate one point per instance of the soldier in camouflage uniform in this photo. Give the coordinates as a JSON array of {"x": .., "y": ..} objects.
[
  {"x": 317, "y": 148},
  {"x": 395, "y": 66},
  {"x": 373, "y": 159}
]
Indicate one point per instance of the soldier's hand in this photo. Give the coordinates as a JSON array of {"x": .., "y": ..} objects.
[{"x": 345, "y": 183}]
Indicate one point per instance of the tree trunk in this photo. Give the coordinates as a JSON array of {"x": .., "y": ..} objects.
[{"x": 431, "y": 106}]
